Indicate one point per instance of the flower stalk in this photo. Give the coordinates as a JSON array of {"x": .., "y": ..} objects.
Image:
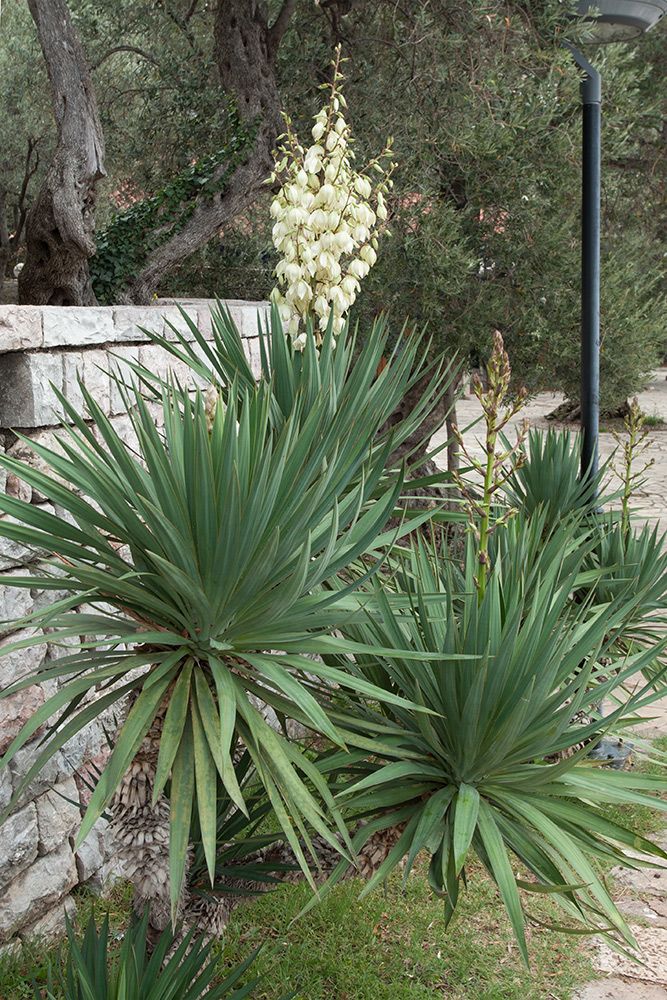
[
  {"x": 631, "y": 449},
  {"x": 327, "y": 219},
  {"x": 499, "y": 463}
]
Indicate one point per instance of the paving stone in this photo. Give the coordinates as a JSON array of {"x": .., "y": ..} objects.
[
  {"x": 77, "y": 325},
  {"x": 650, "y": 881},
  {"x": 614, "y": 988},
  {"x": 651, "y": 951},
  {"x": 20, "y": 328},
  {"x": 36, "y": 891}
]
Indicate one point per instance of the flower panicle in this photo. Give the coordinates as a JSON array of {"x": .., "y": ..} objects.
[{"x": 328, "y": 216}]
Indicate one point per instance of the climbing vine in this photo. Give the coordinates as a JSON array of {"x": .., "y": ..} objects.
[{"x": 125, "y": 244}]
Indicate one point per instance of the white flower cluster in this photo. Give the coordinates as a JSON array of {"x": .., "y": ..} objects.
[{"x": 325, "y": 228}]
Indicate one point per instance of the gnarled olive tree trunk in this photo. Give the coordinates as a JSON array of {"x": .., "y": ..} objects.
[
  {"x": 245, "y": 51},
  {"x": 61, "y": 224}
]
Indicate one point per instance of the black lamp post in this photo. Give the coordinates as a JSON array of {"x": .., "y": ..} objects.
[{"x": 613, "y": 21}]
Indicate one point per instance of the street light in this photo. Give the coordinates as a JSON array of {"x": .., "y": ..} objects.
[{"x": 612, "y": 21}]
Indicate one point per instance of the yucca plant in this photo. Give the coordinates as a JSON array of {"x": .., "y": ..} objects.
[
  {"x": 351, "y": 367},
  {"x": 202, "y": 552},
  {"x": 92, "y": 972},
  {"x": 550, "y": 477},
  {"x": 623, "y": 562},
  {"x": 499, "y": 768}
]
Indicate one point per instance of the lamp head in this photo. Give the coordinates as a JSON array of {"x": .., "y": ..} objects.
[{"x": 621, "y": 20}]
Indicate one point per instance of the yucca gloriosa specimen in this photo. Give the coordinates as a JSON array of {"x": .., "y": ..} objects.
[
  {"x": 499, "y": 767},
  {"x": 186, "y": 972},
  {"x": 624, "y": 561},
  {"x": 202, "y": 555},
  {"x": 341, "y": 369},
  {"x": 550, "y": 477}
]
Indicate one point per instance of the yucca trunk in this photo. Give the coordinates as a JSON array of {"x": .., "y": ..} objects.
[{"x": 141, "y": 832}]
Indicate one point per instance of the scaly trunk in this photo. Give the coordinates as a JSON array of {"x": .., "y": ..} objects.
[
  {"x": 141, "y": 832},
  {"x": 61, "y": 224}
]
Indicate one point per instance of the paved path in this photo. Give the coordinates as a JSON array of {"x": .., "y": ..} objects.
[{"x": 641, "y": 896}]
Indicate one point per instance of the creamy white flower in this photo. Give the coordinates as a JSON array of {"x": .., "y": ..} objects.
[
  {"x": 350, "y": 286},
  {"x": 368, "y": 256}
]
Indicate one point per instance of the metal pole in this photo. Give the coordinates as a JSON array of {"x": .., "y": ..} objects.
[{"x": 591, "y": 95}]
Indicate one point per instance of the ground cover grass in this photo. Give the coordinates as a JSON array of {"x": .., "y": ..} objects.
[{"x": 392, "y": 945}]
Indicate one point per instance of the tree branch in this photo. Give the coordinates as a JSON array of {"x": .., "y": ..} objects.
[
  {"x": 279, "y": 26},
  {"x": 125, "y": 48}
]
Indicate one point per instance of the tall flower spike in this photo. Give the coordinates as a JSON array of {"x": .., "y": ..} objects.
[{"x": 328, "y": 216}]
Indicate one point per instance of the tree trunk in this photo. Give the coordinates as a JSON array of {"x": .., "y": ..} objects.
[
  {"x": 61, "y": 224},
  {"x": 245, "y": 50}
]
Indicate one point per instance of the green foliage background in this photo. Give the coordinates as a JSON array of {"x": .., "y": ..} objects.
[{"x": 483, "y": 103}]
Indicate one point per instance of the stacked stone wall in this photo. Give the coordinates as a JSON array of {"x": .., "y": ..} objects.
[{"x": 42, "y": 347}]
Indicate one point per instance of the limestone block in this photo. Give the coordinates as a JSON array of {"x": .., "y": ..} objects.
[
  {"x": 96, "y": 379},
  {"x": 16, "y": 709},
  {"x": 93, "y": 853},
  {"x": 27, "y": 399},
  {"x": 23, "y": 452},
  {"x": 15, "y": 602},
  {"x": 52, "y": 925},
  {"x": 5, "y": 789},
  {"x": 253, "y": 355},
  {"x": 11, "y": 950},
  {"x": 238, "y": 316},
  {"x": 77, "y": 325},
  {"x": 13, "y": 553},
  {"x": 116, "y": 366},
  {"x": 160, "y": 362},
  {"x": 37, "y": 890},
  {"x": 17, "y": 488},
  {"x": 45, "y": 598},
  {"x": 72, "y": 370},
  {"x": 246, "y": 314},
  {"x": 18, "y": 843},
  {"x": 20, "y": 328},
  {"x": 42, "y": 782},
  {"x": 19, "y": 662},
  {"x": 173, "y": 319},
  {"x": 131, "y": 321},
  {"x": 123, "y": 427},
  {"x": 204, "y": 323},
  {"x": 58, "y": 815},
  {"x": 87, "y": 775}
]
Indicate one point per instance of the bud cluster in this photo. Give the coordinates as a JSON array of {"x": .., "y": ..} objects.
[
  {"x": 495, "y": 469},
  {"x": 327, "y": 218}
]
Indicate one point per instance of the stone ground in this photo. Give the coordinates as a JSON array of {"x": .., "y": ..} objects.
[{"x": 641, "y": 895}]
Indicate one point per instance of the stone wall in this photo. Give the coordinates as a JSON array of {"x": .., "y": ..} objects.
[{"x": 41, "y": 346}]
